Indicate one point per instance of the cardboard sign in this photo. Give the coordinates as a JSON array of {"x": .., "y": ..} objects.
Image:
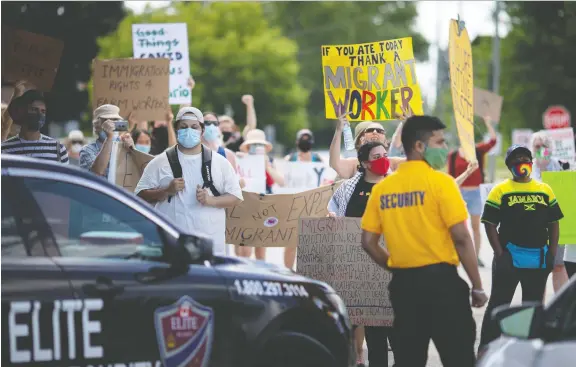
[
  {"x": 166, "y": 40},
  {"x": 139, "y": 85},
  {"x": 252, "y": 168},
  {"x": 130, "y": 166},
  {"x": 487, "y": 103},
  {"x": 462, "y": 86},
  {"x": 562, "y": 144},
  {"x": 272, "y": 220},
  {"x": 522, "y": 137},
  {"x": 563, "y": 184},
  {"x": 329, "y": 250},
  {"x": 31, "y": 57},
  {"x": 371, "y": 80}
]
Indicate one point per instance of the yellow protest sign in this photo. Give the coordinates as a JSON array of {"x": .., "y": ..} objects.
[
  {"x": 370, "y": 80},
  {"x": 462, "y": 85},
  {"x": 563, "y": 183}
]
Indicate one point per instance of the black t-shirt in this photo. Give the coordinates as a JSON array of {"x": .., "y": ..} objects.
[{"x": 359, "y": 199}]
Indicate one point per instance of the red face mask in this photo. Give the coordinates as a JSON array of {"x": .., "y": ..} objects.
[{"x": 380, "y": 166}]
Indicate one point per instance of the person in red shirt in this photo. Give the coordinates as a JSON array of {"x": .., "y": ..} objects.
[{"x": 470, "y": 188}]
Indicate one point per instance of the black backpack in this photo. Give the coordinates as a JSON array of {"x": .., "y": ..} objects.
[{"x": 172, "y": 154}]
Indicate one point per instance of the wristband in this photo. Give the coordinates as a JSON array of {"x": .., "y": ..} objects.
[{"x": 478, "y": 291}]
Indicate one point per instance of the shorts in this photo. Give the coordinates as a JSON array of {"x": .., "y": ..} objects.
[
  {"x": 559, "y": 259},
  {"x": 473, "y": 201}
]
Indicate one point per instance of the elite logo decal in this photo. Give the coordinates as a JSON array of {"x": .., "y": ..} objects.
[{"x": 184, "y": 331}]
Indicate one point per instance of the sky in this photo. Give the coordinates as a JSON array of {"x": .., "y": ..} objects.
[{"x": 433, "y": 22}]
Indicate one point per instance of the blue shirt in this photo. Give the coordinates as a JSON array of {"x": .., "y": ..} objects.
[{"x": 88, "y": 155}]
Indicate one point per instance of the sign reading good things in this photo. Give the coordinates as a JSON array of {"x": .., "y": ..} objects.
[
  {"x": 166, "y": 40},
  {"x": 272, "y": 220},
  {"x": 371, "y": 80},
  {"x": 330, "y": 250},
  {"x": 462, "y": 86}
]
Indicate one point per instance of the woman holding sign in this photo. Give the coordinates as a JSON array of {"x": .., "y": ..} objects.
[{"x": 350, "y": 201}]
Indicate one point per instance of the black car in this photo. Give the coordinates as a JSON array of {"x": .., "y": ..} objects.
[{"x": 94, "y": 276}]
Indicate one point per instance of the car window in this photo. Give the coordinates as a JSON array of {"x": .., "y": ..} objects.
[
  {"x": 88, "y": 223},
  {"x": 12, "y": 239},
  {"x": 560, "y": 316}
]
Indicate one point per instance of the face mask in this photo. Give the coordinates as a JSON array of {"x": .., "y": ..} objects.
[
  {"x": 521, "y": 170},
  {"x": 102, "y": 135},
  {"x": 305, "y": 145},
  {"x": 35, "y": 121},
  {"x": 189, "y": 138},
  {"x": 143, "y": 148},
  {"x": 76, "y": 148},
  {"x": 436, "y": 157},
  {"x": 226, "y": 135},
  {"x": 380, "y": 166},
  {"x": 257, "y": 149},
  {"x": 211, "y": 133}
]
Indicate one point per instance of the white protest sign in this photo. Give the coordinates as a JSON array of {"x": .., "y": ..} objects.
[
  {"x": 252, "y": 168},
  {"x": 329, "y": 250},
  {"x": 562, "y": 144},
  {"x": 166, "y": 40},
  {"x": 522, "y": 136},
  {"x": 301, "y": 176},
  {"x": 485, "y": 189}
]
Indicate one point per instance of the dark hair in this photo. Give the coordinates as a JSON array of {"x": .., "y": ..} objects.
[
  {"x": 211, "y": 113},
  {"x": 23, "y": 102},
  {"x": 364, "y": 152},
  {"x": 419, "y": 128},
  {"x": 137, "y": 132}
]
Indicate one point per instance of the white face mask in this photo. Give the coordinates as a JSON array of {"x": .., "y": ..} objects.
[{"x": 76, "y": 148}]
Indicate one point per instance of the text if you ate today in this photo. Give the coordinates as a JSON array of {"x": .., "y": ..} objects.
[{"x": 371, "y": 80}]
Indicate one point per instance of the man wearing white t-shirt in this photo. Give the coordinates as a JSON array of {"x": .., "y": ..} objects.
[{"x": 190, "y": 201}]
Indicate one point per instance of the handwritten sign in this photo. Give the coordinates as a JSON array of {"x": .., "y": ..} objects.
[
  {"x": 31, "y": 57},
  {"x": 522, "y": 137},
  {"x": 487, "y": 103},
  {"x": 306, "y": 175},
  {"x": 139, "y": 85},
  {"x": 462, "y": 86},
  {"x": 130, "y": 165},
  {"x": 166, "y": 40},
  {"x": 562, "y": 144},
  {"x": 371, "y": 80},
  {"x": 252, "y": 168},
  {"x": 272, "y": 220},
  {"x": 329, "y": 250}
]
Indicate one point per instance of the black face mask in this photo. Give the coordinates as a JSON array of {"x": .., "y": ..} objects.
[
  {"x": 305, "y": 145},
  {"x": 34, "y": 121},
  {"x": 226, "y": 135}
]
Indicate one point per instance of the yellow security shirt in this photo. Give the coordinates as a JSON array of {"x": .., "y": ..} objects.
[{"x": 414, "y": 208}]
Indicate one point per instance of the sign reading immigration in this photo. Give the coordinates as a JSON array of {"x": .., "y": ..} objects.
[
  {"x": 272, "y": 220},
  {"x": 329, "y": 250},
  {"x": 462, "y": 86},
  {"x": 166, "y": 40},
  {"x": 134, "y": 85},
  {"x": 370, "y": 80}
]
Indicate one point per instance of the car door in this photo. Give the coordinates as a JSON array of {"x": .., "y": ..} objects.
[
  {"x": 35, "y": 291},
  {"x": 142, "y": 308}
]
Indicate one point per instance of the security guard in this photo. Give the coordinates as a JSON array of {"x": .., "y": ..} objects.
[{"x": 422, "y": 216}]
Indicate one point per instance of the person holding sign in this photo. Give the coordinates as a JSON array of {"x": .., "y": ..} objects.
[
  {"x": 421, "y": 214},
  {"x": 470, "y": 188},
  {"x": 521, "y": 219},
  {"x": 350, "y": 201}
]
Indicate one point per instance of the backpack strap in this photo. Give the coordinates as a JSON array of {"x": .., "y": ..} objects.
[
  {"x": 452, "y": 164},
  {"x": 172, "y": 154},
  {"x": 207, "y": 170}
]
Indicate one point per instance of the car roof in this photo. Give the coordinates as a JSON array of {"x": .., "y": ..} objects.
[{"x": 18, "y": 161}]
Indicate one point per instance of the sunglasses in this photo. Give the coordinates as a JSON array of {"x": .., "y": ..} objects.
[
  {"x": 375, "y": 130},
  {"x": 211, "y": 122}
]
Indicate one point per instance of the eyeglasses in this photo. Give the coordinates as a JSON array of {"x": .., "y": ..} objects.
[
  {"x": 375, "y": 130},
  {"x": 211, "y": 122}
]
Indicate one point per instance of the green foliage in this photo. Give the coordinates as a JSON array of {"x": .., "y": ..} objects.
[{"x": 233, "y": 51}]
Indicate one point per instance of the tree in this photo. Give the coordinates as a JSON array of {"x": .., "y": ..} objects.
[
  {"x": 316, "y": 23},
  {"x": 233, "y": 51}
]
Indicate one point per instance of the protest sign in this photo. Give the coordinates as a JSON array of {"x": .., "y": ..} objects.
[
  {"x": 462, "y": 86},
  {"x": 31, "y": 57},
  {"x": 371, "y": 80},
  {"x": 330, "y": 250},
  {"x": 522, "y": 136},
  {"x": 139, "y": 85},
  {"x": 130, "y": 165},
  {"x": 563, "y": 184},
  {"x": 252, "y": 168},
  {"x": 307, "y": 175},
  {"x": 485, "y": 189},
  {"x": 272, "y": 220},
  {"x": 166, "y": 40},
  {"x": 562, "y": 144},
  {"x": 487, "y": 103}
]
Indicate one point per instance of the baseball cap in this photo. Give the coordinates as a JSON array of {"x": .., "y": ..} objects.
[
  {"x": 107, "y": 111},
  {"x": 192, "y": 113},
  {"x": 303, "y": 132},
  {"x": 514, "y": 149}
]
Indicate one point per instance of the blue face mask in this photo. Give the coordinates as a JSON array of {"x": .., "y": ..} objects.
[
  {"x": 189, "y": 138},
  {"x": 143, "y": 148},
  {"x": 211, "y": 133}
]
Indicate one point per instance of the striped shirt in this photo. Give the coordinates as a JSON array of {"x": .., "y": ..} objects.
[{"x": 45, "y": 148}]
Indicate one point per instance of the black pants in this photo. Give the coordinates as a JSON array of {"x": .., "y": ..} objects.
[
  {"x": 505, "y": 279},
  {"x": 432, "y": 302},
  {"x": 377, "y": 342},
  {"x": 570, "y": 268}
]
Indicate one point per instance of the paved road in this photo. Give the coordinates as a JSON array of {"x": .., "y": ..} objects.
[{"x": 275, "y": 255}]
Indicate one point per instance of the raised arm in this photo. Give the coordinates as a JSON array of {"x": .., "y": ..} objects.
[
  {"x": 345, "y": 168},
  {"x": 472, "y": 166},
  {"x": 170, "y": 126},
  {"x": 248, "y": 100},
  {"x": 19, "y": 89}
]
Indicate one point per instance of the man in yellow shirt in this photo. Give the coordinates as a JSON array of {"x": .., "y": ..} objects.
[{"x": 422, "y": 216}]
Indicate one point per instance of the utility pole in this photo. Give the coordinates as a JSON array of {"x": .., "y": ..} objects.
[{"x": 495, "y": 79}]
